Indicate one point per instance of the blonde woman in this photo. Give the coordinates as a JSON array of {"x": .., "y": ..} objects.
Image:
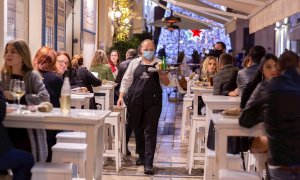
[
  {"x": 209, "y": 68},
  {"x": 100, "y": 65},
  {"x": 18, "y": 66}
]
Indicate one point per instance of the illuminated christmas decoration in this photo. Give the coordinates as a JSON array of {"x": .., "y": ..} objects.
[
  {"x": 122, "y": 19},
  {"x": 188, "y": 41}
]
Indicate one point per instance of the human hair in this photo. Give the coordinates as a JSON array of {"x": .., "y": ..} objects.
[
  {"x": 287, "y": 60},
  {"x": 145, "y": 41},
  {"x": 258, "y": 77},
  {"x": 256, "y": 53},
  {"x": 206, "y": 62},
  {"x": 225, "y": 59},
  {"x": 79, "y": 59},
  {"x": 45, "y": 59},
  {"x": 246, "y": 61},
  {"x": 24, "y": 51},
  {"x": 222, "y": 44},
  {"x": 131, "y": 53},
  {"x": 99, "y": 58},
  {"x": 59, "y": 53},
  {"x": 180, "y": 57}
]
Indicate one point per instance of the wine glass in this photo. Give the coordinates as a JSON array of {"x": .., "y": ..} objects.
[
  {"x": 19, "y": 91},
  {"x": 11, "y": 88}
]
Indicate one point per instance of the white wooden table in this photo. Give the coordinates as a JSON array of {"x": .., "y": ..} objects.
[
  {"x": 85, "y": 120},
  {"x": 200, "y": 91},
  {"x": 81, "y": 99},
  {"x": 108, "y": 90},
  {"x": 226, "y": 126}
]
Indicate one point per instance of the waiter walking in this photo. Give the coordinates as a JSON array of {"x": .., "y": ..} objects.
[{"x": 144, "y": 101}]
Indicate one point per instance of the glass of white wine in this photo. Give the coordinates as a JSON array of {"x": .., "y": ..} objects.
[
  {"x": 11, "y": 88},
  {"x": 19, "y": 91}
]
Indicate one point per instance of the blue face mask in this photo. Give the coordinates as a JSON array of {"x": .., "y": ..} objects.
[{"x": 148, "y": 55}]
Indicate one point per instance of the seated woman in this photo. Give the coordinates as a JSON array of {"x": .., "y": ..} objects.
[
  {"x": 85, "y": 78},
  {"x": 114, "y": 61},
  {"x": 209, "y": 69},
  {"x": 44, "y": 62},
  {"x": 266, "y": 71},
  {"x": 18, "y": 66},
  {"x": 20, "y": 162},
  {"x": 99, "y": 65}
]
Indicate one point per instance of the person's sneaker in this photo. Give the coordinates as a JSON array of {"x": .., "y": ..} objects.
[
  {"x": 140, "y": 161},
  {"x": 149, "y": 170},
  {"x": 128, "y": 153}
]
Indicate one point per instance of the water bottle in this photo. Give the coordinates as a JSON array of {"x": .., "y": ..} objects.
[{"x": 65, "y": 95}]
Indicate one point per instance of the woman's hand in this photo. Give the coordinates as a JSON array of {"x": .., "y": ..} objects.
[
  {"x": 8, "y": 95},
  {"x": 234, "y": 93}
]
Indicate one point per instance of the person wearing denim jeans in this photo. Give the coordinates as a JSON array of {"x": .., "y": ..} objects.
[{"x": 20, "y": 162}]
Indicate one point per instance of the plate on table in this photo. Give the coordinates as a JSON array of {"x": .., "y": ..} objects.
[
  {"x": 151, "y": 69},
  {"x": 10, "y": 109}
]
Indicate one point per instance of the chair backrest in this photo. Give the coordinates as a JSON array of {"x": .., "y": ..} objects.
[{"x": 179, "y": 88}]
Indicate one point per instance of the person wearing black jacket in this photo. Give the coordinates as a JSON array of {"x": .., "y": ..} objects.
[
  {"x": 20, "y": 162},
  {"x": 276, "y": 103},
  {"x": 130, "y": 54}
]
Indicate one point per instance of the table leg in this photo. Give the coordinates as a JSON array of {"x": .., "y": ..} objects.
[
  {"x": 220, "y": 150},
  {"x": 99, "y": 152},
  {"x": 90, "y": 155}
]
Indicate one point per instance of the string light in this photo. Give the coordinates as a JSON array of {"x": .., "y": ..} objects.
[{"x": 124, "y": 9}]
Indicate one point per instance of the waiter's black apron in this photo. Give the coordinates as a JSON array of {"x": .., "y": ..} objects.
[
  {"x": 144, "y": 103},
  {"x": 144, "y": 98}
]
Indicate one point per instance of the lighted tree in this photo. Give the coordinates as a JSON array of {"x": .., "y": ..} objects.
[{"x": 190, "y": 40}]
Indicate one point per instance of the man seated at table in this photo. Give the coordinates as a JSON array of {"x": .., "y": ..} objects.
[
  {"x": 225, "y": 80},
  {"x": 20, "y": 162},
  {"x": 276, "y": 103}
]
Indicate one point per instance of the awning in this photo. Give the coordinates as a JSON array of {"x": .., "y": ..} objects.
[
  {"x": 261, "y": 13},
  {"x": 184, "y": 24},
  {"x": 276, "y": 11}
]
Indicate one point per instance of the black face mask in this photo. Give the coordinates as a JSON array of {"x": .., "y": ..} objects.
[{"x": 217, "y": 52}]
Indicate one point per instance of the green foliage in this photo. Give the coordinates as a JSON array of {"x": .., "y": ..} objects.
[{"x": 133, "y": 42}]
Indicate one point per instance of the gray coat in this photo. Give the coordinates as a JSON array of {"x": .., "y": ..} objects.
[
  {"x": 225, "y": 80},
  {"x": 36, "y": 92}
]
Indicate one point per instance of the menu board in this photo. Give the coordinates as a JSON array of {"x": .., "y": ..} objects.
[
  {"x": 89, "y": 16},
  {"x": 49, "y": 23},
  {"x": 61, "y": 25}
]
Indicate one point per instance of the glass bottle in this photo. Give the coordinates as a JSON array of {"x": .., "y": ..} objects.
[
  {"x": 164, "y": 63},
  {"x": 65, "y": 95}
]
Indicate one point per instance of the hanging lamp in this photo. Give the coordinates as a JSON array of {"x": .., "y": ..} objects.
[{"x": 171, "y": 19}]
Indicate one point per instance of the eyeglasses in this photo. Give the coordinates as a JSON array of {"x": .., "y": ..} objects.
[{"x": 61, "y": 62}]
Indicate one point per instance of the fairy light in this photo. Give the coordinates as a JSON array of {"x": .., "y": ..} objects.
[{"x": 124, "y": 8}]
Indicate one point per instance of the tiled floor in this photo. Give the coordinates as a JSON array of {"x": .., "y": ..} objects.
[{"x": 170, "y": 156}]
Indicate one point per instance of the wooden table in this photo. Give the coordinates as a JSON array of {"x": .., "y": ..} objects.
[
  {"x": 81, "y": 99},
  {"x": 107, "y": 91},
  {"x": 85, "y": 120},
  {"x": 200, "y": 91},
  {"x": 226, "y": 126}
]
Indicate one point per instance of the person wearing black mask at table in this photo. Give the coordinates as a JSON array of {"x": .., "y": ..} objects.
[{"x": 219, "y": 48}]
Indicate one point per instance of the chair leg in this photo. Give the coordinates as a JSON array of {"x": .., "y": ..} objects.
[{"x": 192, "y": 149}]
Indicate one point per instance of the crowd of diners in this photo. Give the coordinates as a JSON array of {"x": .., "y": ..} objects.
[{"x": 269, "y": 88}]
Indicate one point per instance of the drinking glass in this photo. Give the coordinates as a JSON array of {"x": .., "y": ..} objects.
[
  {"x": 11, "y": 88},
  {"x": 19, "y": 91}
]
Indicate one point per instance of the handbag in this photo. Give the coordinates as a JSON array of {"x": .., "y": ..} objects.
[{"x": 235, "y": 145}]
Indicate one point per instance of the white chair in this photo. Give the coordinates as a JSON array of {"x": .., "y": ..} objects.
[
  {"x": 226, "y": 174},
  {"x": 71, "y": 137},
  {"x": 113, "y": 120},
  {"x": 233, "y": 162},
  {"x": 123, "y": 113},
  {"x": 52, "y": 171},
  {"x": 70, "y": 152},
  {"x": 197, "y": 133},
  {"x": 256, "y": 162},
  {"x": 186, "y": 116}
]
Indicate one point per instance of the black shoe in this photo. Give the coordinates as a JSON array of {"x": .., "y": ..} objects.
[
  {"x": 128, "y": 153},
  {"x": 140, "y": 161},
  {"x": 149, "y": 170}
]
